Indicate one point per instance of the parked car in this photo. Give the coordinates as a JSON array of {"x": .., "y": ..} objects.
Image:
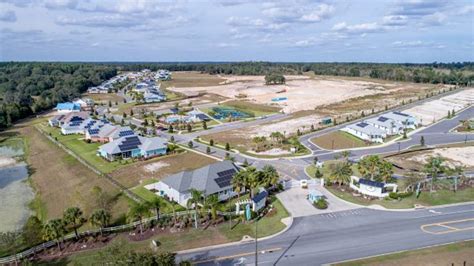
[{"x": 304, "y": 183}]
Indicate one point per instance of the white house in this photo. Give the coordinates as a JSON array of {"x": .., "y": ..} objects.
[
  {"x": 365, "y": 131},
  {"x": 212, "y": 179},
  {"x": 372, "y": 188},
  {"x": 390, "y": 126},
  {"x": 406, "y": 120}
]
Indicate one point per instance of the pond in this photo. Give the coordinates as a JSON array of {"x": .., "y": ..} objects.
[{"x": 15, "y": 192}]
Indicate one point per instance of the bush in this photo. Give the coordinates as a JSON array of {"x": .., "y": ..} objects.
[
  {"x": 395, "y": 195},
  {"x": 321, "y": 204}
]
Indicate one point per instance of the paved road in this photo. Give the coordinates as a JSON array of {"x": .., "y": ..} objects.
[{"x": 345, "y": 235}]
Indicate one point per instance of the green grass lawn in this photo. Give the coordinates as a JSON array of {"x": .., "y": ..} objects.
[
  {"x": 194, "y": 238},
  {"x": 149, "y": 196},
  {"x": 326, "y": 169},
  {"x": 87, "y": 151},
  {"x": 426, "y": 198}
]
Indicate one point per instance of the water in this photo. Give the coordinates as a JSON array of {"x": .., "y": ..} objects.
[{"x": 15, "y": 192}]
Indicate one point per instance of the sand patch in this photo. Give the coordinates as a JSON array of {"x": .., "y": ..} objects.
[
  {"x": 275, "y": 151},
  {"x": 462, "y": 156},
  {"x": 433, "y": 111},
  {"x": 302, "y": 92},
  {"x": 154, "y": 167},
  {"x": 286, "y": 127}
]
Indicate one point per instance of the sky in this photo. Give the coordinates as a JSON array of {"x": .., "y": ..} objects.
[{"x": 396, "y": 31}]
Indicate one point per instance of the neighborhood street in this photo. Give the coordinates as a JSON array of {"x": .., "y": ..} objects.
[{"x": 350, "y": 234}]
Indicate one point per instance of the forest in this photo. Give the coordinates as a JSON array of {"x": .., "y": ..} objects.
[{"x": 27, "y": 88}]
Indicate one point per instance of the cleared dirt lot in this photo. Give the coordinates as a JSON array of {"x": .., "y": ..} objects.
[{"x": 433, "y": 111}]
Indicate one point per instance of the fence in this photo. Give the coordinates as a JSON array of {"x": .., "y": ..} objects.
[
  {"x": 48, "y": 244},
  {"x": 122, "y": 188}
]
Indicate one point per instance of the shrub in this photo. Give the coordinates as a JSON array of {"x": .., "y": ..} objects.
[
  {"x": 321, "y": 204},
  {"x": 395, "y": 195}
]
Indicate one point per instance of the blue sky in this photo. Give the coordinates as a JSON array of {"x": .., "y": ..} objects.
[{"x": 237, "y": 30}]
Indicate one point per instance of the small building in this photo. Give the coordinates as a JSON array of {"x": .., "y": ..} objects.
[
  {"x": 68, "y": 107},
  {"x": 315, "y": 195},
  {"x": 98, "y": 90},
  {"x": 133, "y": 147},
  {"x": 326, "y": 120},
  {"x": 85, "y": 103},
  {"x": 366, "y": 132},
  {"x": 198, "y": 116},
  {"x": 60, "y": 120},
  {"x": 257, "y": 203},
  {"x": 372, "y": 188},
  {"x": 211, "y": 179}
]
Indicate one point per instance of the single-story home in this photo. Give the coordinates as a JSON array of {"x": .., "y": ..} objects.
[
  {"x": 211, "y": 179},
  {"x": 406, "y": 120},
  {"x": 98, "y": 90},
  {"x": 372, "y": 188},
  {"x": 389, "y": 125},
  {"x": 59, "y": 120},
  {"x": 79, "y": 125},
  {"x": 68, "y": 107},
  {"x": 365, "y": 131},
  {"x": 256, "y": 203},
  {"x": 151, "y": 97},
  {"x": 108, "y": 133},
  {"x": 85, "y": 103},
  {"x": 133, "y": 147}
]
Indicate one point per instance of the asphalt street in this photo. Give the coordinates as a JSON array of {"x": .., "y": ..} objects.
[{"x": 345, "y": 235}]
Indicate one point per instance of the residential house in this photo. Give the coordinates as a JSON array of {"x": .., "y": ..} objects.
[
  {"x": 408, "y": 121},
  {"x": 59, "y": 120},
  {"x": 390, "y": 126},
  {"x": 68, "y": 107},
  {"x": 98, "y": 90},
  {"x": 79, "y": 125},
  {"x": 107, "y": 133},
  {"x": 212, "y": 179},
  {"x": 133, "y": 147},
  {"x": 366, "y": 132},
  {"x": 85, "y": 103}
]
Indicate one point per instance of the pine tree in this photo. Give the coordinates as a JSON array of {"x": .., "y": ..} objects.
[{"x": 211, "y": 142}]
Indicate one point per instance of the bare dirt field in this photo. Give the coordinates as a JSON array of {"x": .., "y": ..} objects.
[
  {"x": 433, "y": 111},
  {"x": 302, "y": 92}
]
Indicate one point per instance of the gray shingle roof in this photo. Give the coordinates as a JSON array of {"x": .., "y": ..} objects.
[{"x": 202, "y": 179}]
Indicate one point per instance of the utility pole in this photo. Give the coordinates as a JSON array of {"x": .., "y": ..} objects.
[
  {"x": 332, "y": 145},
  {"x": 256, "y": 241},
  {"x": 398, "y": 147}
]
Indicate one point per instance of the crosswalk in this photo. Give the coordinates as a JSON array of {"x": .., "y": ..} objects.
[{"x": 354, "y": 212}]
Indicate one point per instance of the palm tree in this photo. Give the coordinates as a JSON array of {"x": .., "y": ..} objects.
[
  {"x": 156, "y": 205},
  {"x": 138, "y": 212},
  {"x": 100, "y": 218},
  {"x": 73, "y": 216},
  {"x": 386, "y": 171},
  {"x": 345, "y": 155},
  {"x": 252, "y": 179},
  {"x": 238, "y": 182},
  {"x": 270, "y": 176},
  {"x": 369, "y": 166},
  {"x": 211, "y": 202},
  {"x": 54, "y": 230},
  {"x": 195, "y": 200},
  {"x": 340, "y": 173},
  {"x": 433, "y": 168}
]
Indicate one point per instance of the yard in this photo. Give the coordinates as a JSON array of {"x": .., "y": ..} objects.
[
  {"x": 256, "y": 109},
  {"x": 192, "y": 79},
  {"x": 60, "y": 181},
  {"x": 338, "y": 140},
  {"x": 451, "y": 254},
  {"x": 191, "y": 238},
  {"x": 426, "y": 198}
]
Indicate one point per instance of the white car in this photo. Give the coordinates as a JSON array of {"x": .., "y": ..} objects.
[{"x": 304, "y": 183}]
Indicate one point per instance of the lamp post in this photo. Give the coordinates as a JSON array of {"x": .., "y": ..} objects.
[{"x": 256, "y": 238}]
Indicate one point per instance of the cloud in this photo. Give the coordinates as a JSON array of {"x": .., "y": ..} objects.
[
  {"x": 112, "y": 21},
  {"x": 417, "y": 44},
  {"x": 395, "y": 20},
  {"x": 18, "y": 3},
  {"x": 289, "y": 12},
  {"x": 227, "y": 45},
  {"x": 358, "y": 28},
  {"x": 7, "y": 16},
  {"x": 60, "y": 4},
  {"x": 418, "y": 7},
  {"x": 256, "y": 24},
  {"x": 466, "y": 10}
]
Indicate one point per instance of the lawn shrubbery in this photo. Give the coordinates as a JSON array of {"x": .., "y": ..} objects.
[
  {"x": 321, "y": 204},
  {"x": 401, "y": 195}
]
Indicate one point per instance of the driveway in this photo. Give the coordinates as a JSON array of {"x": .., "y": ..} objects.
[{"x": 294, "y": 200}]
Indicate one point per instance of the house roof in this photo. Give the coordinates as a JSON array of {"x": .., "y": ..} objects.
[
  {"x": 366, "y": 128},
  {"x": 129, "y": 143},
  {"x": 371, "y": 183},
  {"x": 260, "y": 196},
  {"x": 68, "y": 106},
  {"x": 383, "y": 121},
  {"x": 209, "y": 179},
  {"x": 399, "y": 116}
]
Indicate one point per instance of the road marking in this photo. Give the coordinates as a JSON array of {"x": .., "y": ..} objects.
[
  {"x": 237, "y": 255},
  {"x": 449, "y": 225}
]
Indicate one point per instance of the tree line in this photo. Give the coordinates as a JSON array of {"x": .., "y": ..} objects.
[{"x": 29, "y": 88}]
